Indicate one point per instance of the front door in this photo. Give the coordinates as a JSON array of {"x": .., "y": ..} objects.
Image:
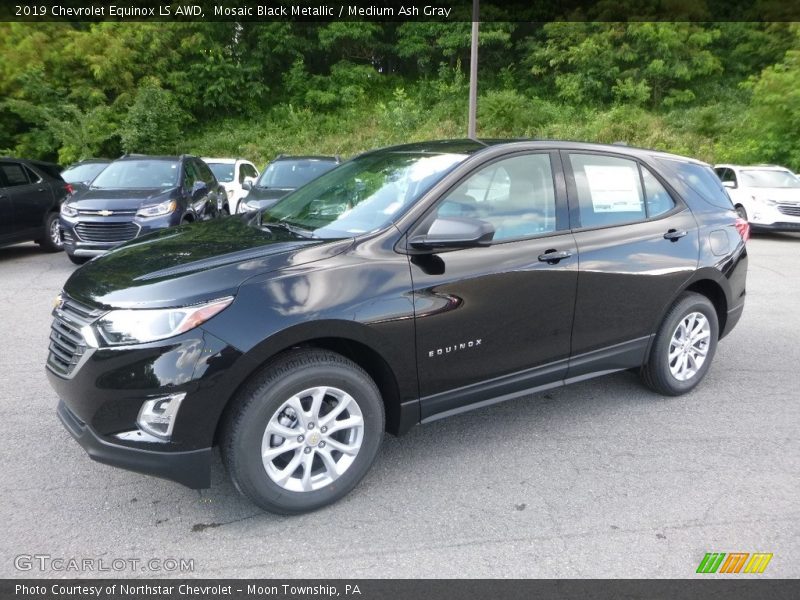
[{"x": 494, "y": 320}]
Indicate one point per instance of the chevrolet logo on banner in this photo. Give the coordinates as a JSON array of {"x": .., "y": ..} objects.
[{"x": 714, "y": 562}]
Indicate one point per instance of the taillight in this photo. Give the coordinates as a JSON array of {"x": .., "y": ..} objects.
[
  {"x": 743, "y": 227},
  {"x": 69, "y": 188}
]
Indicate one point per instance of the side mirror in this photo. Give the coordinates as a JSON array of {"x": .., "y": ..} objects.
[
  {"x": 454, "y": 232},
  {"x": 199, "y": 187},
  {"x": 247, "y": 184},
  {"x": 731, "y": 185}
]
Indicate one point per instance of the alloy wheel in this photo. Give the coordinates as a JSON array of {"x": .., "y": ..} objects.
[
  {"x": 689, "y": 346},
  {"x": 312, "y": 439}
]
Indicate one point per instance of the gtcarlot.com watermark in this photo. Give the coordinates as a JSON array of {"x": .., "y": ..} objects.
[{"x": 73, "y": 564}]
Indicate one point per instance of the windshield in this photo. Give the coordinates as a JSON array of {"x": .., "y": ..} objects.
[
  {"x": 222, "y": 171},
  {"x": 81, "y": 173},
  {"x": 763, "y": 178},
  {"x": 138, "y": 174},
  {"x": 361, "y": 195},
  {"x": 293, "y": 173}
]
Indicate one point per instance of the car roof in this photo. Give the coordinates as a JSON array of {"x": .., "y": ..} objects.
[
  {"x": 224, "y": 161},
  {"x": 474, "y": 146},
  {"x": 305, "y": 157},
  {"x": 153, "y": 157},
  {"x": 759, "y": 167},
  {"x": 90, "y": 161}
]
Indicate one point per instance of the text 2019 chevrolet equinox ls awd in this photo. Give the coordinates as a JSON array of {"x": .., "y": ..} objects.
[{"x": 408, "y": 284}]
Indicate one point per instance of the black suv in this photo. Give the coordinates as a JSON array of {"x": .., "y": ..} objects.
[
  {"x": 282, "y": 176},
  {"x": 31, "y": 193},
  {"x": 135, "y": 195},
  {"x": 406, "y": 285}
]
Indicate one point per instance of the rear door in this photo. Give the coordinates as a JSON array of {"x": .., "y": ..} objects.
[
  {"x": 638, "y": 244},
  {"x": 31, "y": 197},
  {"x": 494, "y": 320}
]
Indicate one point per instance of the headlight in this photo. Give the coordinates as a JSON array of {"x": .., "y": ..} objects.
[
  {"x": 157, "y": 210},
  {"x": 246, "y": 206},
  {"x": 138, "y": 326},
  {"x": 68, "y": 211}
]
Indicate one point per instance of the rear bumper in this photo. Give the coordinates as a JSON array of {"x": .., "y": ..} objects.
[{"x": 192, "y": 468}]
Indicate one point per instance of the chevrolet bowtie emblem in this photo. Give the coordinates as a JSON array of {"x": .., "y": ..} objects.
[{"x": 105, "y": 213}]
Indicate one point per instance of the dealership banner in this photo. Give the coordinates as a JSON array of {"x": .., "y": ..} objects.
[
  {"x": 399, "y": 10},
  {"x": 402, "y": 589}
]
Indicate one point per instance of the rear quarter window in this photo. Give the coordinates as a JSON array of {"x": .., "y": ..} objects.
[{"x": 698, "y": 178}]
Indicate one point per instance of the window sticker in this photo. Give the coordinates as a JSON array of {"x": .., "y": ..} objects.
[{"x": 613, "y": 189}]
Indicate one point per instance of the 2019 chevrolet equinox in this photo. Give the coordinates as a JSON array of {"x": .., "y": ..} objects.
[{"x": 406, "y": 285}]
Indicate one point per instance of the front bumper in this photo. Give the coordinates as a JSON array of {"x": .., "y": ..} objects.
[
  {"x": 774, "y": 217},
  {"x": 778, "y": 226},
  {"x": 101, "y": 392},
  {"x": 191, "y": 468}
]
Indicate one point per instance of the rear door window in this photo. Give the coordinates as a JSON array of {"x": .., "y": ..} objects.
[
  {"x": 14, "y": 174},
  {"x": 609, "y": 190}
]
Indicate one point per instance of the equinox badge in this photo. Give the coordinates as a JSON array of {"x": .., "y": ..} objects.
[{"x": 454, "y": 348}]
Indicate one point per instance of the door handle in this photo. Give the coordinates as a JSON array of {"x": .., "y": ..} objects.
[
  {"x": 552, "y": 257},
  {"x": 674, "y": 235}
]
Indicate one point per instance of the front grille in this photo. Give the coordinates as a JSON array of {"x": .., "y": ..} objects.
[
  {"x": 90, "y": 231},
  {"x": 789, "y": 209},
  {"x": 67, "y": 345},
  {"x": 101, "y": 213}
]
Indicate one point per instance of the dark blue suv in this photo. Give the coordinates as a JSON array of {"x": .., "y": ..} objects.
[{"x": 135, "y": 195}]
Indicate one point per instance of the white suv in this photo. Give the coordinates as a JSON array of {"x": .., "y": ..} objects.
[
  {"x": 232, "y": 173},
  {"x": 767, "y": 196}
]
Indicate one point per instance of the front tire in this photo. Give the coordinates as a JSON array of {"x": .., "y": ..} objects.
[
  {"x": 684, "y": 346},
  {"x": 51, "y": 236},
  {"x": 304, "y": 432}
]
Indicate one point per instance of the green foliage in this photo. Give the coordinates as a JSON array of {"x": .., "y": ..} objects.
[
  {"x": 154, "y": 122},
  {"x": 718, "y": 91}
]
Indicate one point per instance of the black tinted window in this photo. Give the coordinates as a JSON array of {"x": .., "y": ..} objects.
[
  {"x": 657, "y": 198},
  {"x": 697, "y": 178},
  {"x": 14, "y": 174},
  {"x": 205, "y": 173}
]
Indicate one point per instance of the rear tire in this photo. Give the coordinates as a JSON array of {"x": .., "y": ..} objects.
[
  {"x": 331, "y": 417},
  {"x": 51, "y": 236},
  {"x": 684, "y": 346}
]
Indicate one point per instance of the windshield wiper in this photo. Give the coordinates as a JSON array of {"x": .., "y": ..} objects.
[{"x": 293, "y": 229}]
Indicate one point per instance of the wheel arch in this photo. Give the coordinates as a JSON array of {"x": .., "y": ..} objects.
[{"x": 401, "y": 414}]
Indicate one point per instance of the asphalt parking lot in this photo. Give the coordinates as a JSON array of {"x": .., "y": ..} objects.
[{"x": 601, "y": 479}]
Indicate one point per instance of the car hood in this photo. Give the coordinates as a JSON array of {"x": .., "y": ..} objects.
[
  {"x": 109, "y": 199},
  {"x": 259, "y": 193},
  {"x": 779, "y": 194},
  {"x": 192, "y": 263}
]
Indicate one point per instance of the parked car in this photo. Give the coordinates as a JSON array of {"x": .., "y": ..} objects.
[
  {"x": 31, "y": 193},
  {"x": 80, "y": 174},
  {"x": 135, "y": 195},
  {"x": 765, "y": 195},
  {"x": 283, "y": 175},
  {"x": 233, "y": 174},
  {"x": 409, "y": 284}
]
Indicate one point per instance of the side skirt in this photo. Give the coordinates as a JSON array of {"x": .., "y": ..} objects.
[{"x": 618, "y": 357}]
